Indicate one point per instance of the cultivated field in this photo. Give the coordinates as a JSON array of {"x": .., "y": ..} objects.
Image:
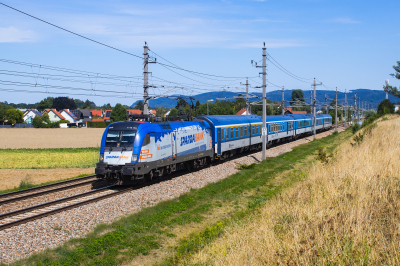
[
  {"x": 345, "y": 213},
  {"x": 48, "y": 138}
]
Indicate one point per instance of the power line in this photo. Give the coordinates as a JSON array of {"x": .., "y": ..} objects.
[
  {"x": 71, "y": 31},
  {"x": 286, "y": 69},
  {"x": 67, "y": 70},
  {"x": 190, "y": 71}
]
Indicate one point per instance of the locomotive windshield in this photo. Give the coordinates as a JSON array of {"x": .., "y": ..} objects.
[{"x": 120, "y": 138}]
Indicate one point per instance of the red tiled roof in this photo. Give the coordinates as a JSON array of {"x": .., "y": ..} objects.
[
  {"x": 134, "y": 112},
  {"x": 98, "y": 120},
  {"x": 153, "y": 112},
  {"x": 54, "y": 111},
  {"x": 299, "y": 112},
  {"x": 97, "y": 112},
  {"x": 288, "y": 109},
  {"x": 242, "y": 111}
]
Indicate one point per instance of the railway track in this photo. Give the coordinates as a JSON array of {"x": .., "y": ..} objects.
[
  {"x": 46, "y": 189},
  {"x": 32, "y": 213}
]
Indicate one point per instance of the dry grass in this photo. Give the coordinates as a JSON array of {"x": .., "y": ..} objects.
[
  {"x": 49, "y": 138},
  {"x": 347, "y": 212}
]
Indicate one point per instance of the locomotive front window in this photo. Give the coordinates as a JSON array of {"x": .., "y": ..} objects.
[{"x": 120, "y": 138}]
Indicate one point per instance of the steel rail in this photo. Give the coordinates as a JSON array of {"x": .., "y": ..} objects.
[
  {"x": 65, "y": 208},
  {"x": 5, "y": 195},
  {"x": 6, "y": 201}
]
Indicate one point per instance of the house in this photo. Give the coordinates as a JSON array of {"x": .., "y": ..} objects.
[
  {"x": 243, "y": 112},
  {"x": 107, "y": 115},
  {"x": 69, "y": 116},
  {"x": 82, "y": 115},
  {"x": 98, "y": 113},
  {"x": 98, "y": 119},
  {"x": 133, "y": 112},
  {"x": 152, "y": 112},
  {"x": 54, "y": 115},
  {"x": 30, "y": 114},
  {"x": 289, "y": 111},
  {"x": 167, "y": 113}
]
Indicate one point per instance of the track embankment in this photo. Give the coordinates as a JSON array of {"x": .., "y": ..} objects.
[{"x": 346, "y": 212}]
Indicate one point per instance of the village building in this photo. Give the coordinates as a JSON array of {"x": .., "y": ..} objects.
[
  {"x": 30, "y": 114},
  {"x": 243, "y": 112},
  {"x": 68, "y": 116},
  {"x": 54, "y": 115}
]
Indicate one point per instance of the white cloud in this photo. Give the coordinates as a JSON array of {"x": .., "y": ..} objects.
[
  {"x": 12, "y": 34},
  {"x": 345, "y": 21}
]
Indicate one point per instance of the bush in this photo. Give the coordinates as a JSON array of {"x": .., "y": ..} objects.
[
  {"x": 98, "y": 124},
  {"x": 38, "y": 123},
  {"x": 356, "y": 127},
  {"x": 63, "y": 121}
]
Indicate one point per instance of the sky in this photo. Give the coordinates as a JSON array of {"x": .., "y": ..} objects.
[{"x": 343, "y": 44}]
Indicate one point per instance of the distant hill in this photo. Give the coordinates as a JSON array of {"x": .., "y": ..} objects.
[{"x": 373, "y": 97}]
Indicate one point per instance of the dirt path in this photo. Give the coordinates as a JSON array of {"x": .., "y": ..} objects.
[{"x": 10, "y": 178}]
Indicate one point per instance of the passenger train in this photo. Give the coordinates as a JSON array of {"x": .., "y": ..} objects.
[{"x": 133, "y": 151}]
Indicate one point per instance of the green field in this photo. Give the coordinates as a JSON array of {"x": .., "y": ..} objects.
[
  {"x": 48, "y": 158},
  {"x": 169, "y": 232}
]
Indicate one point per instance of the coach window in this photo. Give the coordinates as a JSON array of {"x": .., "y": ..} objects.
[
  {"x": 226, "y": 133},
  {"x": 245, "y": 131},
  {"x": 222, "y": 134},
  {"x": 232, "y": 132},
  {"x": 237, "y": 132}
]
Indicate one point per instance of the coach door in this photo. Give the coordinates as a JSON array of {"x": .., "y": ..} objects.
[
  {"x": 174, "y": 143},
  {"x": 219, "y": 141}
]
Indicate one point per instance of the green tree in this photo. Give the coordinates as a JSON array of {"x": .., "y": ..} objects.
[
  {"x": 118, "y": 113},
  {"x": 385, "y": 107},
  {"x": 37, "y": 122},
  {"x": 181, "y": 102},
  {"x": 181, "y": 111},
  {"x": 60, "y": 103},
  {"x": 297, "y": 95},
  {"x": 14, "y": 116},
  {"x": 197, "y": 104},
  {"x": 45, "y": 104},
  {"x": 46, "y": 118},
  {"x": 369, "y": 113},
  {"x": 3, "y": 109},
  {"x": 174, "y": 112},
  {"x": 88, "y": 105},
  {"x": 391, "y": 89},
  {"x": 79, "y": 103},
  {"x": 106, "y": 107},
  {"x": 139, "y": 105}
]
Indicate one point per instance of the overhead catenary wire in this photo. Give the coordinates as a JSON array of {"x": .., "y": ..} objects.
[{"x": 79, "y": 35}]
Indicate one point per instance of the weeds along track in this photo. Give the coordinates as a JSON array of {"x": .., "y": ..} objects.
[{"x": 32, "y": 213}]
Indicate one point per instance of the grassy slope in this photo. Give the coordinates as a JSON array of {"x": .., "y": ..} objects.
[
  {"x": 150, "y": 235},
  {"x": 347, "y": 212},
  {"x": 48, "y": 158}
]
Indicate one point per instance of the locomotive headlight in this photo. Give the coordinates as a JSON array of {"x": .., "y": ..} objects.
[
  {"x": 101, "y": 157},
  {"x": 134, "y": 158}
]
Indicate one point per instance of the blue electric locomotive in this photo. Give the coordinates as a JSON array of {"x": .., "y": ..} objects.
[{"x": 132, "y": 151}]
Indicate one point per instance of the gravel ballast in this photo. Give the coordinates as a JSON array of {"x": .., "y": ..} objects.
[{"x": 26, "y": 239}]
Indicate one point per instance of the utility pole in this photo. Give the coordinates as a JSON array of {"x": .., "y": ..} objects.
[
  {"x": 326, "y": 105},
  {"x": 247, "y": 95},
  {"x": 283, "y": 100},
  {"x": 314, "y": 105},
  {"x": 355, "y": 105},
  {"x": 336, "y": 112},
  {"x": 146, "y": 79},
  {"x": 359, "y": 107},
  {"x": 264, "y": 104},
  {"x": 345, "y": 109}
]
